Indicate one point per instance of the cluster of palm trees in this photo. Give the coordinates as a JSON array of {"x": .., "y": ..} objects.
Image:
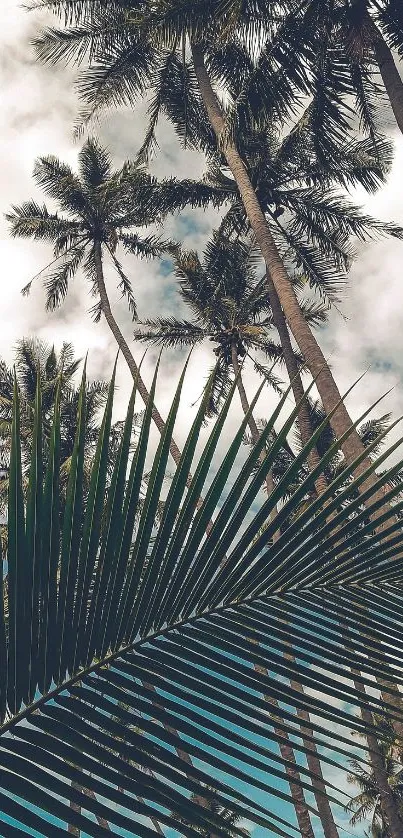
[{"x": 284, "y": 100}]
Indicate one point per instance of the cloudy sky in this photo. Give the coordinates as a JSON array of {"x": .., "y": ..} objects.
[
  {"x": 38, "y": 111},
  {"x": 38, "y": 108}
]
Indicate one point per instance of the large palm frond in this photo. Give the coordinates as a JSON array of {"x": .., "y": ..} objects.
[{"x": 129, "y": 647}]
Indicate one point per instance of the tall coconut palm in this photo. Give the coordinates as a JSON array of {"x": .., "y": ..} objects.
[
  {"x": 129, "y": 52},
  {"x": 230, "y": 309},
  {"x": 311, "y": 222},
  {"x": 91, "y": 629},
  {"x": 100, "y": 210}
]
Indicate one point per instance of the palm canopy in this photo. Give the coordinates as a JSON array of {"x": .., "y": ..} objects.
[
  {"x": 230, "y": 309},
  {"x": 370, "y": 431},
  {"x": 346, "y": 56},
  {"x": 35, "y": 360},
  {"x": 98, "y": 207},
  {"x": 132, "y": 51},
  {"x": 311, "y": 220},
  {"x": 229, "y": 53},
  {"x": 261, "y": 56},
  {"x": 123, "y": 625}
]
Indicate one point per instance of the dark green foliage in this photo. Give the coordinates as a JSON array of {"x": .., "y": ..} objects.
[{"x": 118, "y": 641}]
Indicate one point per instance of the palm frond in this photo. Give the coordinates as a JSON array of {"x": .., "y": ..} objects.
[
  {"x": 58, "y": 181},
  {"x": 57, "y": 278},
  {"x": 30, "y": 220},
  {"x": 94, "y": 164},
  {"x": 169, "y": 332},
  {"x": 168, "y": 619}
]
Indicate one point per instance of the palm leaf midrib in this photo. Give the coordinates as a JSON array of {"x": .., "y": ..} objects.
[
  {"x": 97, "y": 666},
  {"x": 106, "y": 661}
]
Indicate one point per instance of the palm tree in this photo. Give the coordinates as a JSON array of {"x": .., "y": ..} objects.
[
  {"x": 310, "y": 221},
  {"x": 100, "y": 209},
  {"x": 230, "y": 309},
  {"x": 367, "y": 803},
  {"x": 131, "y": 52},
  {"x": 349, "y": 46},
  {"x": 96, "y": 623},
  {"x": 35, "y": 361}
]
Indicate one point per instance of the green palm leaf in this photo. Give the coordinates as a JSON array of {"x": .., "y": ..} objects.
[{"x": 134, "y": 650}]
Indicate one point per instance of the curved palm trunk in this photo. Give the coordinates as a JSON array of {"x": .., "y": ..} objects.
[
  {"x": 74, "y": 830},
  {"x": 352, "y": 447},
  {"x": 287, "y": 753},
  {"x": 175, "y": 452},
  {"x": 323, "y": 806},
  {"x": 124, "y": 348},
  {"x": 387, "y": 68}
]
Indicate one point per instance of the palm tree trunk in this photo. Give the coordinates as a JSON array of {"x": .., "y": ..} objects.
[
  {"x": 251, "y": 421},
  {"x": 74, "y": 830},
  {"x": 387, "y": 68},
  {"x": 71, "y": 829},
  {"x": 175, "y": 452},
  {"x": 297, "y": 792},
  {"x": 304, "y": 419},
  {"x": 323, "y": 806},
  {"x": 287, "y": 753},
  {"x": 352, "y": 447},
  {"x": 124, "y": 348},
  {"x": 202, "y": 801}
]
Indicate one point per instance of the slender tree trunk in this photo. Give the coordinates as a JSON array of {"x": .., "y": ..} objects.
[
  {"x": 286, "y": 750},
  {"x": 74, "y": 830},
  {"x": 352, "y": 447},
  {"x": 202, "y": 801},
  {"x": 251, "y": 421},
  {"x": 124, "y": 348},
  {"x": 387, "y": 68},
  {"x": 319, "y": 788},
  {"x": 71, "y": 829},
  {"x": 287, "y": 753},
  {"x": 304, "y": 419}
]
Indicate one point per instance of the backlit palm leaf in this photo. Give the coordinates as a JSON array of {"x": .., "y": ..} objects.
[{"x": 128, "y": 646}]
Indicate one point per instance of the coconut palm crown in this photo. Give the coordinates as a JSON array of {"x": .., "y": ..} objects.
[
  {"x": 230, "y": 309},
  {"x": 98, "y": 212}
]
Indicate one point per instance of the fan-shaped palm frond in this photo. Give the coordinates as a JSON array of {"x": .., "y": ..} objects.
[{"x": 129, "y": 646}]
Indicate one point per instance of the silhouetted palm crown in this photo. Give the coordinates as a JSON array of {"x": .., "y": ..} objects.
[
  {"x": 336, "y": 46},
  {"x": 35, "y": 360},
  {"x": 97, "y": 205},
  {"x": 230, "y": 308},
  {"x": 311, "y": 221}
]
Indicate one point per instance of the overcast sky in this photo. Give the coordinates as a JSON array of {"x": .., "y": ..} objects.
[
  {"x": 38, "y": 112},
  {"x": 38, "y": 108}
]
